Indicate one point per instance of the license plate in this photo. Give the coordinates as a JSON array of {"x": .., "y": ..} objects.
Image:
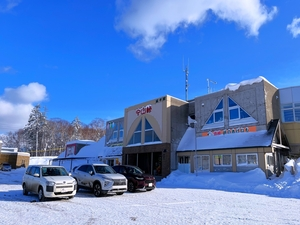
[{"x": 150, "y": 184}]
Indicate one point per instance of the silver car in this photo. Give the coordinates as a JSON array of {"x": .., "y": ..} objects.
[
  {"x": 48, "y": 182},
  {"x": 101, "y": 178}
]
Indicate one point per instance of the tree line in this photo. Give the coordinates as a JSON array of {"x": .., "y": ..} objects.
[{"x": 48, "y": 137}]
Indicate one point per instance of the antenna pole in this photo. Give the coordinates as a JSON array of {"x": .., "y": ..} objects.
[
  {"x": 208, "y": 87},
  {"x": 186, "y": 71}
]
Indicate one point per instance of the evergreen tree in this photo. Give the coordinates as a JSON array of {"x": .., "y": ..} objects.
[
  {"x": 76, "y": 124},
  {"x": 35, "y": 129}
]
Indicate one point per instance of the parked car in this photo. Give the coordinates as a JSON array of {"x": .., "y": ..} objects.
[
  {"x": 137, "y": 179},
  {"x": 6, "y": 167},
  {"x": 101, "y": 178},
  {"x": 48, "y": 181}
]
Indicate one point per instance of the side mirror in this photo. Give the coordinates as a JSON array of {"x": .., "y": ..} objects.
[
  {"x": 91, "y": 172},
  {"x": 36, "y": 175}
]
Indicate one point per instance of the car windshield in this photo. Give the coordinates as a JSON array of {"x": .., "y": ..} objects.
[
  {"x": 104, "y": 169},
  {"x": 135, "y": 170},
  {"x": 54, "y": 171}
]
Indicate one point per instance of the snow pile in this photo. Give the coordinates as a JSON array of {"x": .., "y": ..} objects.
[{"x": 235, "y": 86}]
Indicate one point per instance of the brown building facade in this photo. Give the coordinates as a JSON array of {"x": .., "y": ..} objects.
[{"x": 152, "y": 132}]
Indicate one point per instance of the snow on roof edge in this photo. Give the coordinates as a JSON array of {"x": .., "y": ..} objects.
[{"x": 235, "y": 86}]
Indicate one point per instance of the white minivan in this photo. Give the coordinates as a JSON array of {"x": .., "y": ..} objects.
[{"x": 49, "y": 182}]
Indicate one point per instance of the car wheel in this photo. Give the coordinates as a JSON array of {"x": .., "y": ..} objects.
[
  {"x": 131, "y": 187},
  {"x": 25, "y": 192},
  {"x": 97, "y": 189},
  {"x": 120, "y": 193},
  {"x": 41, "y": 195}
]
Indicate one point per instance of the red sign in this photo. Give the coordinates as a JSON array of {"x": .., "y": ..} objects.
[
  {"x": 230, "y": 131},
  {"x": 143, "y": 110}
]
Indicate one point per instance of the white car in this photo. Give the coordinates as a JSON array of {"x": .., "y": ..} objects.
[
  {"x": 101, "y": 178},
  {"x": 48, "y": 182}
]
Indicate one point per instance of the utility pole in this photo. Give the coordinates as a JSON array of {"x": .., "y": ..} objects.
[{"x": 36, "y": 142}]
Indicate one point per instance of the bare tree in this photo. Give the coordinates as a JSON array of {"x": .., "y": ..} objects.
[{"x": 98, "y": 128}]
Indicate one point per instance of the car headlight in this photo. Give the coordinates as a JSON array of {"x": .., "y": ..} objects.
[
  {"x": 74, "y": 182},
  {"x": 107, "y": 182},
  {"x": 139, "y": 178},
  {"x": 50, "y": 183}
]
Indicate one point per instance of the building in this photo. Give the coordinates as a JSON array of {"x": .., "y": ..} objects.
[
  {"x": 13, "y": 157},
  {"x": 245, "y": 126},
  {"x": 152, "y": 132},
  {"x": 290, "y": 116},
  {"x": 236, "y": 129},
  {"x": 114, "y": 132}
]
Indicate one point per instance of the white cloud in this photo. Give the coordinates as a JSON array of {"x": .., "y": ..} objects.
[
  {"x": 7, "y": 5},
  {"x": 151, "y": 21},
  {"x": 16, "y": 105},
  {"x": 294, "y": 27},
  {"x": 6, "y": 69}
]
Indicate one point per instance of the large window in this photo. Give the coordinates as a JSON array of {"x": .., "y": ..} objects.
[
  {"x": 117, "y": 134},
  {"x": 136, "y": 137},
  {"x": 150, "y": 135},
  {"x": 235, "y": 111},
  {"x": 217, "y": 115},
  {"x": 121, "y": 132},
  {"x": 247, "y": 159},
  {"x": 291, "y": 112},
  {"x": 222, "y": 160}
]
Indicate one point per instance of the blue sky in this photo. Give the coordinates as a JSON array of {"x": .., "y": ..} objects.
[{"x": 94, "y": 59}]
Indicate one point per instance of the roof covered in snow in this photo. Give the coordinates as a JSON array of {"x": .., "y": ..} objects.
[
  {"x": 95, "y": 149},
  {"x": 261, "y": 138},
  {"x": 80, "y": 142},
  {"x": 235, "y": 86}
]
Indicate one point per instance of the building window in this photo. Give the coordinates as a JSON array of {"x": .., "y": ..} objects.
[
  {"x": 270, "y": 160},
  {"x": 247, "y": 159},
  {"x": 184, "y": 159},
  {"x": 150, "y": 135},
  {"x": 222, "y": 160},
  {"x": 291, "y": 112},
  {"x": 121, "y": 134},
  {"x": 110, "y": 162},
  {"x": 217, "y": 115},
  {"x": 136, "y": 137},
  {"x": 235, "y": 111},
  {"x": 115, "y": 135}
]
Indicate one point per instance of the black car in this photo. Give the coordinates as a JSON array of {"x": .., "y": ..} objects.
[{"x": 137, "y": 180}]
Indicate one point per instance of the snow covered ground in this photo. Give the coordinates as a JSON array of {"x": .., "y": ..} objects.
[{"x": 208, "y": 198}]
